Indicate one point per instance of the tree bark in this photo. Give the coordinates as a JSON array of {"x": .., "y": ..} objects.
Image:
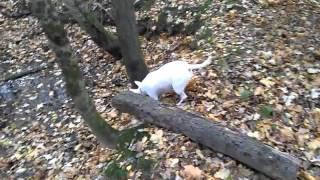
[
  {"x": 247, "y": 150},
  {"x": 54, "y": 30},
  {"x": 129, "y": 42},
  {"x": 149, "y": 27},
  {"x": 89, "y": 22}
]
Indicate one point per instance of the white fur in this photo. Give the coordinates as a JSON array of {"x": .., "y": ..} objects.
[{"x": 173, "y": 76}]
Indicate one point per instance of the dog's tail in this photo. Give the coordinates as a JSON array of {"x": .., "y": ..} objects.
[{"x": 202, "y": 65}]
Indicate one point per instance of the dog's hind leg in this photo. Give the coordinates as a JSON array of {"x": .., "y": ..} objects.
[{"x": 179, "y": 87}]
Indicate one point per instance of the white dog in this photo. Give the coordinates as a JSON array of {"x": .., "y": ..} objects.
[{"x": 173, "y": 76}]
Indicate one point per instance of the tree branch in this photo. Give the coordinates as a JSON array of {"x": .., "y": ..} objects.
[
  {"x": 54, "y": 30},
  {"x": 88, "y": 21},
  {"x": 18, "y": 75}
]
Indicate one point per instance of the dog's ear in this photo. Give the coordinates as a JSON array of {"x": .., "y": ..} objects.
[{"x": 138, "y": 83}]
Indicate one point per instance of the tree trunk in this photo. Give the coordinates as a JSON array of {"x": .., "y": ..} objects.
[
  {"x": 89, "y": 22},
  {"x": 54, "y": 30},
  {"x": 247, "y": 150},
  {"x": 129, "y": 42}
]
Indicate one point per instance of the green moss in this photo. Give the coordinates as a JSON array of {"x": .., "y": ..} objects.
[
  {"x": 145, "y": 5},
  {"x": 274, "y": 127},
  {"x": 205, "y": 6},
  {"x": 245, "y": 95},
  {"x": 206, "y": 34},
  {"x": 229, "y": 178},
  {"x": 231, "y": 2},
  {"x": 96, "y": 29},
  {"x": 145, "y": 164},
  {"x": 5, "y": 142},
  {"x": 115, "y": 172},
  {"x": 128, "y": 135},
  {"x": 223, "y": 63},
  {"x": 56, "y": 33},
  {"x": 127, "y": 156},
  {"x": 266, "y": 111}
]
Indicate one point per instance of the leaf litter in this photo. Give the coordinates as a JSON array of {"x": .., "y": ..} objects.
[{"x": 264, "y": 82}]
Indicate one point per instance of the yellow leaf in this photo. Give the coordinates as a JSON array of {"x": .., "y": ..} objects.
[
  {"x": 211, "y": 95},
  {"x": 296, "y": 108},
  {"x": 254, "y": 134},
  {"x": 287, "y": 135},
  {"x": 267, "y": 82},
  {"x": 172, "y": 162},
  {"x": 157, "y": 137},
  {"x": 214, "y": 117},
  {"x": 274, "y": 2},
  {"x": 192, "y": 173},
  {"x": 199, "y": 153},
  {"x": 113, "y": 113},
  {"x": 220, "y": 45},
  {"x": 316, "y": 115},
  {"x": 306, "y": 176},
  {"x": 229, "y": 103},
  {"x": 314, "y": 144},
  {"x": 316, "y": 82},
  {"x": 32, "y": 154},
  {"x": 222, "y": 173},
  {"x": 258, "y": 91},
  {"x": 128, "y": 168}
]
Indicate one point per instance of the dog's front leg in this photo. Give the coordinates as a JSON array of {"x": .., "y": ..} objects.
[{"x": 183, "y": 96}]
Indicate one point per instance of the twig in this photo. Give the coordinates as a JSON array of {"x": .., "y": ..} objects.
[{"x": 18, "y": 75}]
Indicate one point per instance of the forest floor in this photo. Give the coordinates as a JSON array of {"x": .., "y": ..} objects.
[{"x": 264, "y": 82}]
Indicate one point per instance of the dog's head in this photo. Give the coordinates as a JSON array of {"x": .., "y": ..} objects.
[{"x": 138, "y": 90}]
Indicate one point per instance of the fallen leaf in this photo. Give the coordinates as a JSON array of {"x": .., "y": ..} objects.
[
  {"x": 156, "y": 137},
  {"x": 286, "y": 134},
  {"x": 211, "y": 95},
  {"x": 70, "y": 172},
  {"x": 172, "y": 162},
  {"x": 316, "y": 81},
  {"x": 258, "y": 91},
  {"x": 254, "y": 134},
  {"x": 222, "y": 173},
  {"x": 306, "y": 176},
  {"x": 268, "y": 82},
  {"x": 229, "y": 103},
  {"x": 314, "y": 144},
  {"x": 274, "y": 2},
  {"x": 191, "y": 173},
  {"x": 220, "y": 45},
  {"x": 315, "y": 114},
  {"x": 193, "y": 85},
  {"x": 113, "y": 113},
  {"x": 302, "y": 135},
  {"x": 199, "y": 153}
]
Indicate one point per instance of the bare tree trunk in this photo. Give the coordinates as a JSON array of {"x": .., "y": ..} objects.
[
  {"x": 89, "y": 22},
  {"x": 128, "y": 36},
  {"x": 247, "y": 150},
  {"x": 54, "y": 30}
]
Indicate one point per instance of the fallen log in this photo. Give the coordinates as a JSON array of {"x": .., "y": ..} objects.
[
  {"x": 25, "y": 72},
  {"x": 272, "y": 163}
]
